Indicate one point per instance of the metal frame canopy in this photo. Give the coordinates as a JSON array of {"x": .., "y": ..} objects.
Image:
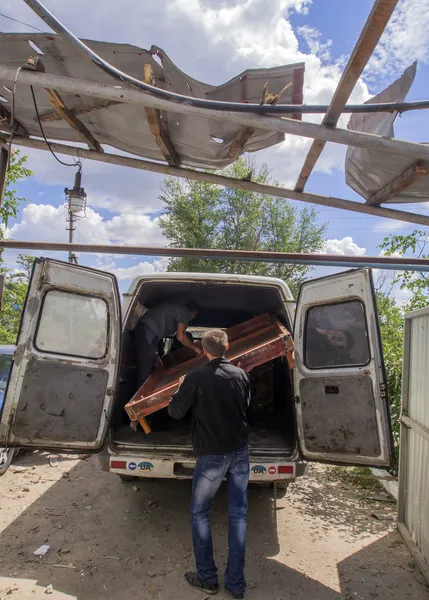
[{"x": 165, "y": 96}]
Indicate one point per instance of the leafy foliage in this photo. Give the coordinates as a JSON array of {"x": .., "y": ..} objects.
[
  {"x": 204, "y": 215},
  {"x": 11, "y": 201},
  {"x": 391, "y": 319},
  {"x": 14, "y": 294},
  {"x": 417, "y": 245}
]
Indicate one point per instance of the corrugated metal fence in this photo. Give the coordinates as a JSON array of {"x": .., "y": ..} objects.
[{"x": 413, "y": 501}]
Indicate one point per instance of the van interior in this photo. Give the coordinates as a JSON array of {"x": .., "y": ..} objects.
[{"x": 222, "y": 305}]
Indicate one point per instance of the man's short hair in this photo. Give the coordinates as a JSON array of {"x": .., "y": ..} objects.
[
  {"x": 193, "y": 306},
  {"x": 215, "y": 342}
]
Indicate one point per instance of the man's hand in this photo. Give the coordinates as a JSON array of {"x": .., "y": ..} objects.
[{"x": 198, "y": 350}]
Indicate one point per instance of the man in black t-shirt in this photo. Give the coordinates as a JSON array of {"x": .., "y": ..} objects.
[{"x": 160, "y": 322}]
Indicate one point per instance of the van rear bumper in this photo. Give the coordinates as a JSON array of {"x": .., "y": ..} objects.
[{"x": 170, "y": 468}]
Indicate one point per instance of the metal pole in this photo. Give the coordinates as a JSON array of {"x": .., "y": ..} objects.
[
  {"x": 271, "y": 190},
  {"x": 384, "y": 262},
  {"x": 266, "y": 123}
]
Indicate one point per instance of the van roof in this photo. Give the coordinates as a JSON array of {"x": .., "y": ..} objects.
[{"x": 212, "y": 277}]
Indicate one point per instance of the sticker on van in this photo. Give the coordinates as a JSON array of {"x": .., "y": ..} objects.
[
  {"x": 259, "y": 470},
  {"x": 132, "y": 466},
  {"x": 146, "y": 466}
]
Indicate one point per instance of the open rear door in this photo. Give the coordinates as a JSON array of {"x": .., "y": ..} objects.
[
  {"x": 63, "y": 378},
  {"x": 342, "y": 407}
]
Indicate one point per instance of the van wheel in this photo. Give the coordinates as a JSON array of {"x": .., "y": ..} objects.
[
  {"x": 282, "y": 487},
  {"x": 126, "y": 478}
]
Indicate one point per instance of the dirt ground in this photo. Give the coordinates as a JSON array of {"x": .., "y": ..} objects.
[{"x": 114, "y": 540}]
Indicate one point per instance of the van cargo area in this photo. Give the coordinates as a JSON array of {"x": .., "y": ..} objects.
[{"x": 222, "y": 305}]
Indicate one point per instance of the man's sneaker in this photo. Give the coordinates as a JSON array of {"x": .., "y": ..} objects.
[
  {"x": 235, "y": 595},
  {"x": 197, "y": 583}
]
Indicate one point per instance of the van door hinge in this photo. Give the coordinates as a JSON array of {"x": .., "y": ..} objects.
[
  {"x": 383, "y": 390},
  {"x": 297, "y": 400},
  {"x": 111, "y": 391}
]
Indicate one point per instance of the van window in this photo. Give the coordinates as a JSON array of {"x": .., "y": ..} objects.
[
  {"x": 73, "y": 324},
  {"x": 336, "y": 336}
]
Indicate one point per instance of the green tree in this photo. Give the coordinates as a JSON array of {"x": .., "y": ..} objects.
[
  {"x": 14, "y": 294},
  {"x": 391, "y": 319},
  {"x": 11, "y": 201},
  {"x": 415, "y": 244},
  {"x": 15, "y": 285},
  {"x": 204, "y": 215}
]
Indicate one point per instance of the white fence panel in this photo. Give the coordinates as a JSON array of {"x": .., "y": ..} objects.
[{"x": 413, "y": 503}]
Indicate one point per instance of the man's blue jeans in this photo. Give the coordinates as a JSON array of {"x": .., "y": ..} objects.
[{"x": 208, "y": 475}]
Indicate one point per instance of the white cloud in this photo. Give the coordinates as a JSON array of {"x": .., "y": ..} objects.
[
  {"x": 405, "y": 40},
  {"x": 344, "y": 247},
  {"x": 389, "y": 225},
  {"x": 143, "y": 268},
  {"x": 48, "y": 223}
]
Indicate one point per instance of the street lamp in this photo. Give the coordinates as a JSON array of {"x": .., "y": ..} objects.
[{"x": 76, "y": 205}]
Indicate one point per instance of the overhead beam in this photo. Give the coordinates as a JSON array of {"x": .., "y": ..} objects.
[
  {"x": 241, "y": 184},
  {"x": 81, "y": 110},
  {"x": 85, "y": 135},
  {"x": 157, "y": 127},
  {"x": 399, "y": 184},
  {"x": 365, "y": 46},
  {"x": 385, "y": 262},
  {"x": 267, "y": 123}
]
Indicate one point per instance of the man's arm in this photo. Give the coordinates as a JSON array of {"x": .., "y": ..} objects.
[
  {"x": 185, "y": 341},
  {"x": 182, "y": 400}
]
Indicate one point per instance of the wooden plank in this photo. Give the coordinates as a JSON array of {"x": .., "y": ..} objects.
[
  {"x": 265, "y": 123},
  {"x": 239, "y": 142},
  {"x": 400, "y": 183},
  {"x": 231, "y": 182},
  {"x": 81, "y": 110},
  {"x": 157, "y": 128},
  {"x": 365, "y": 46},
  {"x": 86, "y": 136},
  {"x": 416, "y": 553}
]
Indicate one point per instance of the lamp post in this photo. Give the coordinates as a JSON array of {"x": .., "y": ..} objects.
[{"x": 76, "y": 204}]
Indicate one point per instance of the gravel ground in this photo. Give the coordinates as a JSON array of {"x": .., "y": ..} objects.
[{"x": 111, "y": 540}]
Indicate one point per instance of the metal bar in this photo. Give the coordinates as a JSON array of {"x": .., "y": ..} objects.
[
  {"x": 415, "y": 426},
  {"x": 272, "y": 190},
  {"x": 85, "y": 135},
  {"x": 266, "y": 123},
  {"x": 396, "y": 263},
  {"x": 365, "y": 46},
  {"x": 404, "y": 432},
  {"x": 397, "y": 185},
  {"x": 417, "y": 555}
]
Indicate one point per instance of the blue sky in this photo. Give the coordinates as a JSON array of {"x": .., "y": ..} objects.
[{"x": 213, "y": 41}]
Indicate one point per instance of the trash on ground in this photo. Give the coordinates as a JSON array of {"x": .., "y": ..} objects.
[
  {"x": 49, "y": 589},
  {"x": 19, "y": 469},
  {"x": 382, "y": 516},
  {"x": 42, "y": 551},
  {"x": 53, "y": 461}
]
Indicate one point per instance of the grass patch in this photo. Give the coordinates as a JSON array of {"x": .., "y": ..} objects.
[{"x": 357, "y": 477}]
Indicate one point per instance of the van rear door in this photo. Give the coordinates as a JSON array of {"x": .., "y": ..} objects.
[
  {"x": 61, "y": 386},
  {"x": 342, "y": 407}
]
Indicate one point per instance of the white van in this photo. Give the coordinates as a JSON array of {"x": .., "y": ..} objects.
[{"x": 74, "y": 370}]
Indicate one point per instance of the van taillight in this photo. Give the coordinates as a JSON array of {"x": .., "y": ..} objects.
[
  {"x": 286, "y": 469},
  {"x": 118, "y": 464}
]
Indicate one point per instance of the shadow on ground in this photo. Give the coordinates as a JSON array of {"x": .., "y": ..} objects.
[{"x": 133, "y": 541}]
